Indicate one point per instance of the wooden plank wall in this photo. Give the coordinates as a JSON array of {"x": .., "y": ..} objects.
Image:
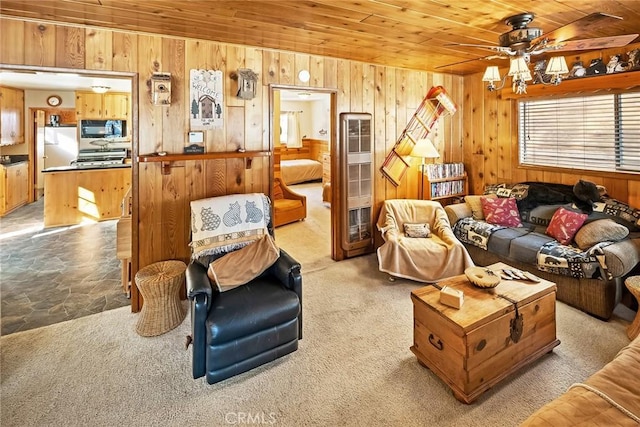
[
  {"x": 311, "y": 149},
  {"x": 490, "y": 141},
  {"x": 391, "y": 95},
  {"x": 287, "y": 153},
  {"x": 318, "y": 147}
]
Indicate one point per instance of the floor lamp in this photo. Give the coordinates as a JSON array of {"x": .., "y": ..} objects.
[{"x": 424, "y": 149}]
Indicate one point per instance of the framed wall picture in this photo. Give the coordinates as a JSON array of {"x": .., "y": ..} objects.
[{"x": 206, "y": 102}]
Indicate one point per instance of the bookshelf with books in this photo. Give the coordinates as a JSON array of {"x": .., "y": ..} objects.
[{"x": 444, "y": 181}]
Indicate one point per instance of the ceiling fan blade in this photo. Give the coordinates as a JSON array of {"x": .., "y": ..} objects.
[
  {"x": 486, "y": 58},
  {"x": 500, "y": 49},
  {"x": 595, "y": 43},
  {"x": 573, "y": 29}
]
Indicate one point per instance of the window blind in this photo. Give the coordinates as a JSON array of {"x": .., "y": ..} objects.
[{"x": 600, "y": 132}]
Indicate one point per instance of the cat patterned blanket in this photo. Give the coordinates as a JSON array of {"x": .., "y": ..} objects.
[{"x": 226, "y": 223}]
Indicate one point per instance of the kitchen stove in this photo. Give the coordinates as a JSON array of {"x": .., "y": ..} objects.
[{"x": 100, "y": 157}]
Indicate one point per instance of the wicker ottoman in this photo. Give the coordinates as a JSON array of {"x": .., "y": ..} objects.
[{"x": 160, "y": 284}]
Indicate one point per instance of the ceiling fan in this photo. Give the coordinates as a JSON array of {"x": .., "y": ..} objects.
[{"x": 525, "y": 41}]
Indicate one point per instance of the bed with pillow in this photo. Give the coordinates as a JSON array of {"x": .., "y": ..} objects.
[
  {"x": 587, "y": 247},
  {"x": 297, "y": 171}
]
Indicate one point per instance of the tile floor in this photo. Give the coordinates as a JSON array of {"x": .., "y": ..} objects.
[{"x": 55, "y": 274}]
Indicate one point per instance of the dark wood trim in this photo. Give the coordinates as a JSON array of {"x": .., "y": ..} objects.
[{"x": 584, "y": 85}]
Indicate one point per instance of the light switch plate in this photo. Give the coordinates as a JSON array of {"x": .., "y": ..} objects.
[{"x": 196, "y": 137}]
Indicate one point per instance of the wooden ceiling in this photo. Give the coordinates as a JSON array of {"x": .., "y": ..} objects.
[{"x": 401, "y": 33}]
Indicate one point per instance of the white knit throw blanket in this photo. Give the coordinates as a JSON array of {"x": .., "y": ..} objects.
[{"x": 226, "y": 223}]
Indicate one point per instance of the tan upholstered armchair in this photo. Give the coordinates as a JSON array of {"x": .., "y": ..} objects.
[
  {"x": 407, "y": 254},
  {"x": 288, "y": 206}
]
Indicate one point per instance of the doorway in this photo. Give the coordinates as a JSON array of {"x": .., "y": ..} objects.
[
  {"x": 58, "y": 273},
  {"x": 312, "y": 112}
]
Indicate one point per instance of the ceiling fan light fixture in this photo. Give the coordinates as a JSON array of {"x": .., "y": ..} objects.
[
  {"x": 100, "y": 89},
  {"x": 491, "y": 74},
  {"x": 518, "y": 66},
  {"x": 557, "y": 65}
]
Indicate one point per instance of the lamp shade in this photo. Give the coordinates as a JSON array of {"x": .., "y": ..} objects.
[
  {"x": 491, "y": 74},
  {"x": 424, "y": 149},
  {"x": 557, "y": 65},
  {"x": 526, "y": 76},
  {"x": 518, "y": 67}
]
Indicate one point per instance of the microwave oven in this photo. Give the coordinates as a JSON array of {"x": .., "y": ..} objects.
[{"x": 101, "y": 132}]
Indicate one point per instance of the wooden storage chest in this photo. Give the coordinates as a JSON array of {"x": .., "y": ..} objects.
[{"x": 493, "y": 334}]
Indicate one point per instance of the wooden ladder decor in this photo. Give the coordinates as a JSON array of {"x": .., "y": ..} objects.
[{"x": 433, "y": 106}]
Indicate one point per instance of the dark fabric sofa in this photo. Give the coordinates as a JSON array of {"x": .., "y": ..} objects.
[{"x": 590, "y": 280}]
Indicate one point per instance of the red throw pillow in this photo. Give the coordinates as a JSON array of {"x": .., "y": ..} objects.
[
  {"x": 565, "y": 224},
  {"x": 501, "y": 211}
]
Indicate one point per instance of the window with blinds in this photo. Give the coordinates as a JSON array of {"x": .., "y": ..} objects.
[{"x": 600, "y": 132}]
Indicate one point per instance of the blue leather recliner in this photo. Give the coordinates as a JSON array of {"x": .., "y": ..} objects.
[{"x": 245, "y": 327}]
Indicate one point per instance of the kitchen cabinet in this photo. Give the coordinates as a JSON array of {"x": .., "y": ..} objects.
[
  {"x": 11, "y": 116},
  {"x": 116, "y": 105},
  {"x": 14, "y": 188},
  {"x": 91, "y": 105}
]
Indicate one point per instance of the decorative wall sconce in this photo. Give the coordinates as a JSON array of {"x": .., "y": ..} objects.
[
  {"x": 161, "y": 88},
  {"x": 247, "y": 83}
]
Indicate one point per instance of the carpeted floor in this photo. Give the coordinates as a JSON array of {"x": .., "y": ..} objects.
[{"x": 353, "y": 368}]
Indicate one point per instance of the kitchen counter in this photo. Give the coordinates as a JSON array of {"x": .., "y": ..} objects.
[
  {"x": 75, "y": 168},
  {"x": 14, "y": 160},
  {"x": 75, "y": 195},
  {"x": 9, "y": 164}
]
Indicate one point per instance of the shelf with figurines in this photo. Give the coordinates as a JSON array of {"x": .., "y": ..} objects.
[{"x": 621, "y": 72}]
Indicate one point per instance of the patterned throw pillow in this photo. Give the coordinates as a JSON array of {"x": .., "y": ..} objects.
[
  {"x": 501, "y": 211},
  {"x": 493, "y": 188},
  {"x": 417, "y": 230},
  {"x": 565, "y": 224},
  {"x": 473, "y": 202}
]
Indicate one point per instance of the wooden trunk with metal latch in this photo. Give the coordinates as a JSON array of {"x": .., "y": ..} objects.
[{"x": 495, "y": 332}]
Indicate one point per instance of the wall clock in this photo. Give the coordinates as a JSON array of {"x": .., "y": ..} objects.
[{"x": 54, "y": 100}]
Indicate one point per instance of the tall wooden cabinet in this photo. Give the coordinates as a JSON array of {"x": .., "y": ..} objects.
[
  {"x": 110, "y": 105},
  {"x": 11, "y": 116},
  {"x": 357, "y": 183}
]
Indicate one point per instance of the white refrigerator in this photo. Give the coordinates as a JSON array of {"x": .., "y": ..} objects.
[{"x": 60, "y": 145}]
